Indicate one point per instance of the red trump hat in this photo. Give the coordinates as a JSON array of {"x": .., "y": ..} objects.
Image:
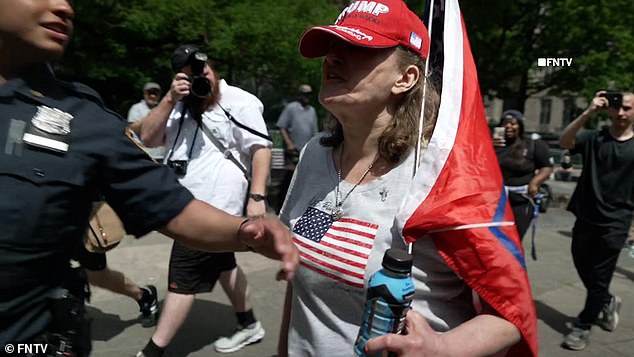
[{"x": 377, "y": 24}]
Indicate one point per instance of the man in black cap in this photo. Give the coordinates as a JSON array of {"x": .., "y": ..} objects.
[
  {"x": 210, "y": 131},
  {"x": 62, "y": 149}
]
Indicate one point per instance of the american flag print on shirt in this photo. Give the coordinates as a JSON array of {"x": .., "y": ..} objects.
[{"x": 338, "y": 249}]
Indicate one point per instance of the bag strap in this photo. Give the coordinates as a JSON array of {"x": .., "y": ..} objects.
[
  {"x": 244, "y": 127},
  {"x": 178, "y": 133},
  {"x": 227, "y": 153},
  {"x": 535, "y": 203}
]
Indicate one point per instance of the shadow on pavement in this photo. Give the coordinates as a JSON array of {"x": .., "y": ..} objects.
[
  {"x": 551, "y": 317},
  {"x": 207, "y": 321},
  {"x": 106, "y": 326}
]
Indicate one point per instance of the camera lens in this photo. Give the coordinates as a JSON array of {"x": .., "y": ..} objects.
[{"x": 200, "y": 87}]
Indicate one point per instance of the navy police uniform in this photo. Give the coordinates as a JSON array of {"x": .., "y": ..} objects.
[{"x": 46, "y": 192}]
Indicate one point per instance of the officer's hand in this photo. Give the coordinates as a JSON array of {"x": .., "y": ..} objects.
[
  {"x": 420, "y": 340},
  {"x": 180, "y": 87},
  {"x": 269, "y": 237},
  {"x": 599, "y": 102}
]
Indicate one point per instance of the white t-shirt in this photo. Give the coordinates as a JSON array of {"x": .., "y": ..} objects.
[
  {"x": 210, "y": 176},
  {"x": 338, "y": 258}
]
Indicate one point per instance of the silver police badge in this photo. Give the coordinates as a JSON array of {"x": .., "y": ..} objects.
[{"x": 49, "y": 129}]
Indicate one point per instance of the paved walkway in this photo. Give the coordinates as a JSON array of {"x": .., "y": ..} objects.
[{"x": 558, "y": 294}]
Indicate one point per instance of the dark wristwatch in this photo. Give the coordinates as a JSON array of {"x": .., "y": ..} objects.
[{"x": 257, "y": 197}]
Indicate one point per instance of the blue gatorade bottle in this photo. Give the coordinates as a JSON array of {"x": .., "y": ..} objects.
[{"x": 389, "y": 296}]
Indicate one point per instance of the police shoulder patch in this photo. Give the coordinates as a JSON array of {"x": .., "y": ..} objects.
[{"x": 137, "y": 141}]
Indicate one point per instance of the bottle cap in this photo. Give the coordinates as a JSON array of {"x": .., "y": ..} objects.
[{"x": 397, "y": 261}]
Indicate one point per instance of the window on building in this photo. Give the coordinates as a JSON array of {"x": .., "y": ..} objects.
[
  {"x": 544, "y": 112},
  {"x": 569, "y": 110}
]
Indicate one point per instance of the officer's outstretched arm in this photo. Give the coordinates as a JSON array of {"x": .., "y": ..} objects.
[{"x": 202, "y": 226}]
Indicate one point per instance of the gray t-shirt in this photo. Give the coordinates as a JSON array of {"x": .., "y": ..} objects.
[
  {"x": 337, "y": 258},
  {"x": 300, "y": 121},
  {"x": 137, "y": 112}
]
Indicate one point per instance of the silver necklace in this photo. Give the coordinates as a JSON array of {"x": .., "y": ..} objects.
[{"x": 337, "y": 212}]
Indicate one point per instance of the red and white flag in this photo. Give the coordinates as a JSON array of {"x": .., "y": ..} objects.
[{"x": 457, "y": 197}]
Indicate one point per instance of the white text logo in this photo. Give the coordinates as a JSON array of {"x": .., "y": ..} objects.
[
  {"x": 554, "y": 62},
  {"x": 24, "y": 348}
]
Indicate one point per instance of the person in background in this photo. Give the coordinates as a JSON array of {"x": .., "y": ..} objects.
[
  {"x": 199, "y": 132},
  {"x": 564, "y": 173},
  {"x": 151, "y": 96},
  {"x": 348, "y": 186},
  {"x": 297, "y": 124},
  {"x": 602, "y": 202},
  {"x": 61, "y": 150},
  {"x": 99, "y": 274},
  {"x": 526, "y": 163}
]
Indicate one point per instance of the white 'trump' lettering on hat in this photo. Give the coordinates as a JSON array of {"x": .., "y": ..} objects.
[{"x": 370, "y": 7}]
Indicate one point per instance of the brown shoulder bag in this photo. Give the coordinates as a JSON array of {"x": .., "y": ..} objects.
[{"x": 105, "y": 229}]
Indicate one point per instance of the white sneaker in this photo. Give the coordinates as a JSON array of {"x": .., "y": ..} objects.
[{"x": 242, "y": 337}]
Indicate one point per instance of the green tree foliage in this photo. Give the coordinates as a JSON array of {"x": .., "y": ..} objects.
[
  {"x": 120, "y": 45},
  {"x": 507, "y": 37}
]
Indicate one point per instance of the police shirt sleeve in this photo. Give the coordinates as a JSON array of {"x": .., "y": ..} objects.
[{"x": 145, "y": 195}]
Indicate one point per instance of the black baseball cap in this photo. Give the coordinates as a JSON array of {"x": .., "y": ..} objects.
[
  {"x": 512, "y": 114},
  {"x": 181, "y": 56}
]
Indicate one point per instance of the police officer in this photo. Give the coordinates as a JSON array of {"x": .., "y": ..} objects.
[{"x": 59, "y": 150}]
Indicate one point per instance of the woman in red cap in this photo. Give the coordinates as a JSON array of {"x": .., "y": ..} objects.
[{"x": 349, "y": 185}]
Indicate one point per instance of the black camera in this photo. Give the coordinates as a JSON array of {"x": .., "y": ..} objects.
[
  {"x": 178, "y": 166},
  {"x": 190, "y": 55},
  {"x": 200, "y": 87},
  {"x": 615, "y": 99}
]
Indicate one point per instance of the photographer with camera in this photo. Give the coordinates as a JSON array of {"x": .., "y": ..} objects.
[
  {"x": 603, "y": 205},
  {"x": 214, "y": 157}
]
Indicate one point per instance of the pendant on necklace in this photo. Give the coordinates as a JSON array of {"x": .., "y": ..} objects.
[{"x": 336, "y": 213}]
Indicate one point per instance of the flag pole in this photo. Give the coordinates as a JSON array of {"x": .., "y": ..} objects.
[{"x": 421, "y": 121}]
